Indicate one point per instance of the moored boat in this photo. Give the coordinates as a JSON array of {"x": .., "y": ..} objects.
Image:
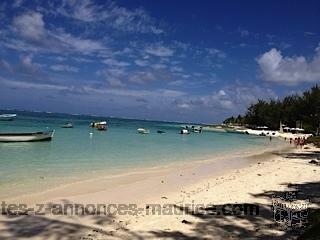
[
  {"x": 26, "y": 137},
  {"x": 143, "y": 131},
  {"x": 101, "y": 126},
  {"x": 196, "y": 129},
  {"x": 184, "y": 131},
  {"x": 7, "y": 117},
  {"x": 67, "y": 125}
]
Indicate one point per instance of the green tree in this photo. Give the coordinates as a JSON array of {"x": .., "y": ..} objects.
[{"x": 293, "y": 108}]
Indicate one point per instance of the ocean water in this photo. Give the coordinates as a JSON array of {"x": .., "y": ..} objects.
[{"x": 74, "y": 155}]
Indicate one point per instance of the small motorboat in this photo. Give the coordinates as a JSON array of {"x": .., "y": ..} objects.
[
  {"x": 101, "y": 126},
  {"x": 143, "y": 131},
  {"x": 184, "y": 131},
  {"x": 160, "y": 131},
  {"x": 196, "y": 129},
  {"x": 7, "y": 117},
  {"x": 67, "y": 125},
  {"x": 26, "y": 137}
]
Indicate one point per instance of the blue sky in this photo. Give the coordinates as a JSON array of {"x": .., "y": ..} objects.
[{"x": 168, "y": 60}]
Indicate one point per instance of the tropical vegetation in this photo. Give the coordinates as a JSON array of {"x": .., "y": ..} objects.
[{"x": 294, "y": 111}]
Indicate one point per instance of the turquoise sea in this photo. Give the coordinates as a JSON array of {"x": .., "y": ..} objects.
[{"x": 74, "y": 155}]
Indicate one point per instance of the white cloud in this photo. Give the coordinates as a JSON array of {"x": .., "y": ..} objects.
[
  {"x": 110, "y": 14},
  {"x": 115, "y": 82},
  {"x": 222, "y": 93},
  {"x": 26, "y": 69},
  {"x": 83, "y": 10},
  {"x": 114, "y": 76},
  {"x": 159, "y": 51},
  {"x": 113, "y": 62},
  {"x": 141, "y": 77},
  {"x": 198, "y": 74},
  {"x": 289, "y": 70},
  {"x": 233, "y": 98},
  {"x": 148, "y": 94},
  {"x": 82, "y": 60},
  {"x": 183, "y": 105},
  {"x": 27, "y": 65},
  {"x": 64, "y": 68},
  {"x": 176, "y": 69},
  {"x": 176, "y": 83},
  {"x": 141, "y": 63},
  {"x": 186, "y": 75},
  {"x": 60, "y": 58},
  {"x": 26, "y": 85},
  {"x": 30, "y": 25},
  {"x": 27, "y": 60},
  {"x": 216, "y": 53},
  {"x": 78, "y": 44},
  {"x": 35, "y": 37},
  {"x": 158, "y": 66},
  {"x": 112, "y": 73}
]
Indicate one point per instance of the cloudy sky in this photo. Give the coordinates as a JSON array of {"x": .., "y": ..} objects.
[{"x": 168, "y": 60}]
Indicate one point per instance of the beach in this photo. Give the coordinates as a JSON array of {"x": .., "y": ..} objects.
[
  {"x": 175, "y": 189},
  {"x": 75, "y": 155},
  {"x": 147, "y": 120}
]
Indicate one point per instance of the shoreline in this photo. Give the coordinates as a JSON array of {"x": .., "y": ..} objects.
[
  {"x": 254, "y": 182},
  {"x": 50, "y": 180},
  {"x": 116, "y": 177}
]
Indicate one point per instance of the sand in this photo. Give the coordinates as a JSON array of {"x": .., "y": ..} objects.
[{"x": 247, "y": 180}]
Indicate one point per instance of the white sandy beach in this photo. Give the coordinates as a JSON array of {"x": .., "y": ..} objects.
[
  {"x": 147, "y": 120},
  {"x": 251, "y": 180}
]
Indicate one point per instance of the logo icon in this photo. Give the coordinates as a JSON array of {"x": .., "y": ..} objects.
[{"x": 288, "y": 212}]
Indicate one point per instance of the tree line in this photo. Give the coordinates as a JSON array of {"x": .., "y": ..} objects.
[{"x": 293, "y": 109}]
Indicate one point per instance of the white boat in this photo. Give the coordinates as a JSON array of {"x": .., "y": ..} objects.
[
  {"x": 184, "y": 131},
  {"x": 68, "y": 125},
  {"x": 197, "y": 129},
  {"x": 101, "y": 126},
  {"x": 7, "y": 117},
  {"x": 143, "y": 130},
  {"x": 26, "y": 137}
]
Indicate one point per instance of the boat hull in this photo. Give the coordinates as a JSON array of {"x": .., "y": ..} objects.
[
  {"x": 69, "y": 125},
  {"x": 101, "y": 126},
  {"x": 7, "y": 117},
  {"x": 143, "y": 131},
  {"x": 26, "y": 137}
]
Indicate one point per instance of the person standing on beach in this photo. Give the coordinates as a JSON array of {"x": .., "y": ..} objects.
[{"x": 301, "y": 142}]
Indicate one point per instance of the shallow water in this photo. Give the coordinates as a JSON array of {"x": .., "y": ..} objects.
[{"x": 74, "y": 155}]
